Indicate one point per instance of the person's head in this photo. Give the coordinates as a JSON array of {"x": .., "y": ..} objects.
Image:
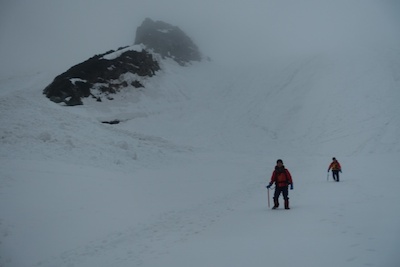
[
  {"x": 334, "y": 159},
  {"x": 279, "y": 163}
]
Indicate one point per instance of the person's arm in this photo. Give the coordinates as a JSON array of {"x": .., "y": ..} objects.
[
  {"x": 290, "y": 180},
  {"x": 272, "y": 180}
]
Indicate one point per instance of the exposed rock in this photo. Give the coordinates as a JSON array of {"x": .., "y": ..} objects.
[
  {"x": 108, "y": 73},
  {"x": 168, "y": 41},
  {"x": 102, "y": 73},
  {"x": 112, "y": 122}
]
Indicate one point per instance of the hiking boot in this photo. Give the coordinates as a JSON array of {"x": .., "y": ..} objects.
[
  {"x": 276, "y": 204},
  {"x": 287, "y": 204}
]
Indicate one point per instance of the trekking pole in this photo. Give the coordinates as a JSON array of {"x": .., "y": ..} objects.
[
  {"x": 268, "y": 198},
  {"x": 327, "y": 177}
]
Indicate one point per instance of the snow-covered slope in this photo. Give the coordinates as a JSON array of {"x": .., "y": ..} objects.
[{"x": 181, "y": 180}]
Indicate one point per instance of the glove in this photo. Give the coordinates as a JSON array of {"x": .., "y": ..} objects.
[
  {"x": 291, "y": 186},
  {"x": 268, "y": 186},
  {"x": 328, "y": 170},
  {"x": 340, "y": 171}
]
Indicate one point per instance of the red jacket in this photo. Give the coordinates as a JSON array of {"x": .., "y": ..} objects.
[
  {"x": 281, "y": 178},
  {"x": 335, "y": 166}
]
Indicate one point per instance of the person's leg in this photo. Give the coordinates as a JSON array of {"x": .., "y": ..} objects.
[
  {"x": 285, "y": 193},
  {"x": 334, "y": 175},
  {"x": 276, "y": 197}
]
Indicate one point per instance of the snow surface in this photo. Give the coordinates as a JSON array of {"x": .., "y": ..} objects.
[{"x": 181, "y": 180}]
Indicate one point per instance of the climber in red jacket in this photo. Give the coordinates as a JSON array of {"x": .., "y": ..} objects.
[
  {"x": 282, "y": 179},
  {"x": 336, "y": 168}
]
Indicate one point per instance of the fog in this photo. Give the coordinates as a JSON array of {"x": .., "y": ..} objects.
[{"x": 53, "y": 35}]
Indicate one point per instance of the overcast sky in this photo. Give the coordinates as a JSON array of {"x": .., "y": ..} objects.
[{"x": 53, "y": 35}]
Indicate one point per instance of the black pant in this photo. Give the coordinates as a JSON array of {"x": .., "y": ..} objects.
[
  {"x": 335, "y": 175},
  {"x": 284, "y": 190}
]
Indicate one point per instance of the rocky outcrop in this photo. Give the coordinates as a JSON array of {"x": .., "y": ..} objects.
[
  {"x": 104, "y": 73},
  {"x": 168, "y": 41},
  {"x": 110, "y": 72}
]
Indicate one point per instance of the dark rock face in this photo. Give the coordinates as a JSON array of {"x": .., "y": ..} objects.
[
  {"x": 108, "y": 73},
  {"x": 168, "y": 41},
  {"x": 101, "y": 74}
]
